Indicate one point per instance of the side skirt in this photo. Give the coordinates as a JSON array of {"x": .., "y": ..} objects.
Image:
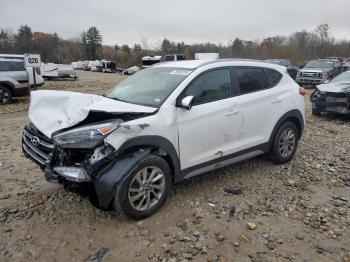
[{"x": 222, "y": 162}]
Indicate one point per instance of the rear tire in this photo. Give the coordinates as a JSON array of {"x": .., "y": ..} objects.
[
  {"x": 285, "y": 143},
  {"x": 5, "y": 95},
  {"x": 145, "y": 189}
]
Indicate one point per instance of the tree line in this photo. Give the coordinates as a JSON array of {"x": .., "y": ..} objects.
[{"x": 298, "y": 47}]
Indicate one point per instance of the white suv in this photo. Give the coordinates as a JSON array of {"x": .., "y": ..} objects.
[{"x": 164, "y": 124}]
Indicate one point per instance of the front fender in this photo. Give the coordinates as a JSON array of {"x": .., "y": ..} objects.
[{"x": 107, "y": 182}]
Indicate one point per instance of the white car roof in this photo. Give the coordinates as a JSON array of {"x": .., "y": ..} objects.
[{"x": 194, "y": 64}]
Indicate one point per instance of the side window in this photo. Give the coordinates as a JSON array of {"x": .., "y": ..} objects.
[
  {"x": 251, "y": 79},
  {"x": 4, "y": 66},
  {"x": 209, "y": 87},
  {"x": 17, "y": 66},
  {"x": 275, "y": 76}
]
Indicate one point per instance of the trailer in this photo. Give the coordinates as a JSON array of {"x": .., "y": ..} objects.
[{"x": 58, "y": 71}]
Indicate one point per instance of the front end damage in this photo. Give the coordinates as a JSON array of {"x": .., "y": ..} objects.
[
  {"x": 331, "y": 100},
  {"x": 92, "y": 165}
]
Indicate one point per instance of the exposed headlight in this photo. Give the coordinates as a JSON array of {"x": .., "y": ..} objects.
[
  {"x": 85, "y": 137},
  {"x": 325, "y": 75}
]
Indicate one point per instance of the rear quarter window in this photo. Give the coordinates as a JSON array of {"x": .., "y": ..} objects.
[{"x": 274, "y": 75}]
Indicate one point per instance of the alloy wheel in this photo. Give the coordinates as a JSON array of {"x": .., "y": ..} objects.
[
  {"x": 146, "y": 188},
  {"x": 286, "y": 142}
]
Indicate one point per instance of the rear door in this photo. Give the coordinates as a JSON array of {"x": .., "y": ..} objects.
[
  {"x": 15, "y": 70},
  {"x": 19, "y": 73},
  {"x": 259, "y": 104}
]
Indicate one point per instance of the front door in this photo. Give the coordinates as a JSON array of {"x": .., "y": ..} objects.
[{"x": 210, "y": 129}]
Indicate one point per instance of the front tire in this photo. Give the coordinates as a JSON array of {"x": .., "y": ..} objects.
[
  {"x": 145, "y": 190},
  {"x": 285, "y": 143}
]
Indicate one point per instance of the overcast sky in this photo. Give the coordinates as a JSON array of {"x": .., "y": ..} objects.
[{"x": 192, "y": 21}]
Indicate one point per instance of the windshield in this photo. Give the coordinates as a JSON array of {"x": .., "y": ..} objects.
[
  {"x": 342, "y": 78},
  {"x": 149, "y": 87},
  {"x": 319, "y": 64}
]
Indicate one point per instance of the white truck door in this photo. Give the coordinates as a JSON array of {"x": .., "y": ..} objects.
[{"x": 209, "y": 130}]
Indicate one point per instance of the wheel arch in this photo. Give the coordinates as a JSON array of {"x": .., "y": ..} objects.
[
  {"x": 156, "y": 143},
  {"x": 9, "y": 85},
  {"x": 296, "y": 117}
]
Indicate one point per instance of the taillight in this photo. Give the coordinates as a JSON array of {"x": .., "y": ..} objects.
[
  {"x": 302, "y": 91},
  {"x": 37, "y": 69}
]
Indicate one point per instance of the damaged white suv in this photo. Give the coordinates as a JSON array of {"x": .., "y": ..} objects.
[{"x": 164, "y": 124}]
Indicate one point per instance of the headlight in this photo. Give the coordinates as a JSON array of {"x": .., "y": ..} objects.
[
  {"x": 325, "y": 75},
  {"x": 85, "y": 137}
]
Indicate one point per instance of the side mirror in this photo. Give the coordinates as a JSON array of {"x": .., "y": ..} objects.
[{"x": 186, "y": 102}]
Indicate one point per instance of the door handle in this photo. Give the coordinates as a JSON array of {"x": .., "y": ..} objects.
[
  {"x": 277, "y": 100},
  {"x": 232, "y": 113}
]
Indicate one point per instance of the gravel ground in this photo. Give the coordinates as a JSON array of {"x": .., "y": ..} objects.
[{"x": 252, "y": 211}]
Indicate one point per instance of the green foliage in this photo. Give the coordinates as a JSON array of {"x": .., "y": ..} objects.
[{"x": 92, "y": 43}]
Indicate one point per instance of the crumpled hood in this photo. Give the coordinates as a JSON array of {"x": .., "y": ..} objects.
[
  {"x": 334, "y": 87},
  {"x": 51, "y": 111}
]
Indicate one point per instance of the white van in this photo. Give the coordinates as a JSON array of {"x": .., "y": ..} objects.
[{"x": 38, "y": 77}]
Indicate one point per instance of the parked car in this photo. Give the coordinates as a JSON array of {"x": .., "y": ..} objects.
[
  {"x": 148, "y": 61},
  {"x": 292, "y": 70},
  {"x": 162, "y": 125},
  {"x": 39, "y": 80},
  {"x": 14, "y": 80},
  {"x": 86, "y": 67},
  {"x": 318, "y": 72},
  {"x": 346, "y": 64},
  {"x": 332, "y": 97}
]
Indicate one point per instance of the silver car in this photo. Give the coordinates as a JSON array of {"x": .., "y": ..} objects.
[{"x": 14, "y": 80}]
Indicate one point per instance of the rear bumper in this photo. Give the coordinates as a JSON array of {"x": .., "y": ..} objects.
[{"x": 21, "y": 91}]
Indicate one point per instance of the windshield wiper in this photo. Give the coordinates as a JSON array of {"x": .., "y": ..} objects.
[{"x": 117, "y": 99}]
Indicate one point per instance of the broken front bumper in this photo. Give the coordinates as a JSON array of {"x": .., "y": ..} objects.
[
  {"x": 326, "y": 102},
  {"x": 40, "y": 149}
]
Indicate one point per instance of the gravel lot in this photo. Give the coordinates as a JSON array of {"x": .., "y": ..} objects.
[{"x": 299, "y": 211}]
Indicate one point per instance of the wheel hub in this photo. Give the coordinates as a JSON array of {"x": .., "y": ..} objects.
[{"x": 146, "y": 188}]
